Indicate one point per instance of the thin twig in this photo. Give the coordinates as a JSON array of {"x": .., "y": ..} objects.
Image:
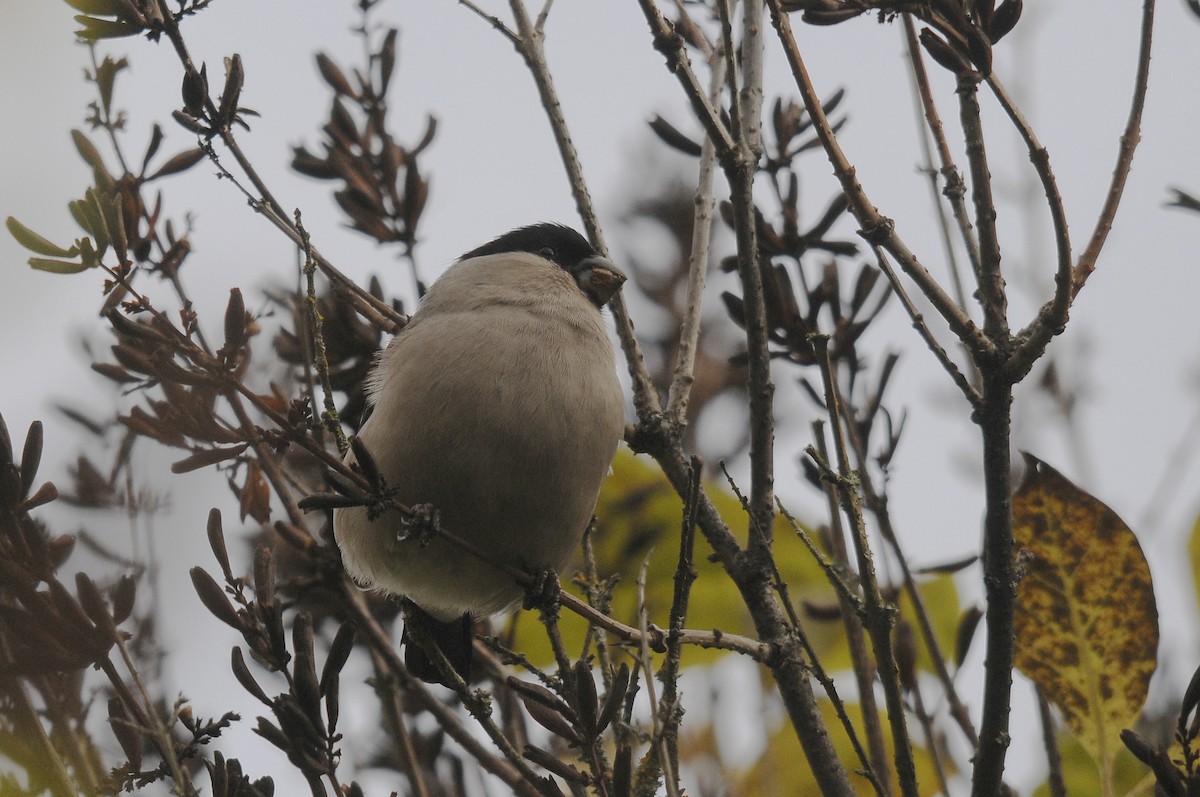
[
  {"x": 448, "y": 721},
  {"x": 918, "y": 323},
  {"x": 702, "y": 216},
  {"x": 877, "y": 504},
  {"x": 529, "y": 45},
  {"x": 955, "y": 189},
  {"x": 878, "y": 615},
  {"x": 1058, "y": 787},
  {"x": 864, "y": 668},
  {"x": 657, "y": 739},
  {"x": 1129, "y": 142},
  {"x": 393, "y": 711},
  {"x": 316, "y": 335}
]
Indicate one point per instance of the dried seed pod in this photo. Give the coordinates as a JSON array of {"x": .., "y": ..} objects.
[
  {"x": 240, "y": 671},
  {"x": 1004, "y": 20},
  {"x": 235, "y": 77},
  {"x": 214, "y": 599},
  {"x": 235, "y": 323},
  {"x": 614, "y": 698},
  {"x": 305, "y": 686},
  {"x": 178, "y": 163},
  {"x": 941, "y": 51},
  {"x": 339, "y": 652},
  {"x": 127, "y": 735},
  {"x": 585, "y": 697},
  {"x": 195, "y": 92}
]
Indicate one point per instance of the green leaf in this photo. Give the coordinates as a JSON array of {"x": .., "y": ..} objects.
[
  {"x": 36, "y": 243},
  {"x": 57, "y": 266},
  {"x": 87, "y": 150},
  {"x": 95, "y": 29},
  {"x": 106, "y": 76},
  {"x": 110, "y": 8}
]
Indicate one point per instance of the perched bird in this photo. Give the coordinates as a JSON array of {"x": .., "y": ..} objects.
[{"x": 498, "y": 405}]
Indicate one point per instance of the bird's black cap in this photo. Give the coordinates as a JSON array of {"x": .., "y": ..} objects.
[{"x": 555, "y": 242}]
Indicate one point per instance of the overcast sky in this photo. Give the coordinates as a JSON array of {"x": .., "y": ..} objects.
[{"x": 1132, "y": 341}]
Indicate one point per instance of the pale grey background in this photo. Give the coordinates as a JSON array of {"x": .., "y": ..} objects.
[{"x": 1133, "y": 334}]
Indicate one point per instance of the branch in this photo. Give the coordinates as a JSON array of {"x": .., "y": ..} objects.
[
  {"x": 265, "y": 202},
  {"x": 918, "y": 323},
  {"x": 1129, "y": 142},
  {"x": 529, "y": 45},
  {"x": 1052, "y": 318},
  {"x": 992, "y": 296},
  {"x": 878, "y": 615},
  {"x": 875, "y": 228},
  {"x": 954, "y": 190},
  {"x": 740, "y": 172},
  {"x": 689, "y": 331}
]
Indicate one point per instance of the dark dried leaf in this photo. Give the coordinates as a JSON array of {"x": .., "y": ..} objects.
[
  {"x": 967, "y": 625},
  {"x": 671, "y": 136},
  {"x": 216, "y": 541},
  {"x": 178, "y": 163},
  {"x": 334, "y": 76},
  {"x": 127, "y": 735},
  {"x": 206, "y": 457},
  {"x": 93, "y": 603},
  {"x": 387, "y": 60},
  {"x": 123, "y": 597},
  {"x": 551, "y": 763}
]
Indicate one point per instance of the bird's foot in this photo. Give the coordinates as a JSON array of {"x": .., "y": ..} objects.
[
  {"x": 421, "y": 526},
  {"x": 543, "y": 592}
]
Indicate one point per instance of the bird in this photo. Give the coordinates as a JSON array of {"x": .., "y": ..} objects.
[{"x": 498, "y": 405}]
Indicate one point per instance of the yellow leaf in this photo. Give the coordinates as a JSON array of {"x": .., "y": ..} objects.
[
  {"x": 1194, "y": 556},
  {"x": 1086, "y": 624},
  {"x": 783, "y": 768},
  {"x": 1079, "y": 771},
  {"x": 639, "y": 515}
]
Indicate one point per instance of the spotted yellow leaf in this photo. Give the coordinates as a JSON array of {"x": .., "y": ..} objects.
[{"x": 1086, "y": 624}]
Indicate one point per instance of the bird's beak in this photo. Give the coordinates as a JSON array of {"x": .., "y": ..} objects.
[{"x": 599, "y": 279}]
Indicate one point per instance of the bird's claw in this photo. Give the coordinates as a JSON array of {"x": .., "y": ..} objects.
[
  {"x": 543, "y": 592},
  {"x": 421, "y": 526}
]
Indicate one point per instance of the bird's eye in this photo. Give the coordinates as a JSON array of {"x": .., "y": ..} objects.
[{"x": 546, "y": 252}]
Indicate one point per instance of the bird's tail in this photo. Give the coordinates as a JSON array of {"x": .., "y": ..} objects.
[{"x": 453, "y": 638}]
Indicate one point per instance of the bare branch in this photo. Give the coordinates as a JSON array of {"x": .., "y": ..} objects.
[
  {"x": 1129, "y": 142},
  {"x": 875, "y": 227}
]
